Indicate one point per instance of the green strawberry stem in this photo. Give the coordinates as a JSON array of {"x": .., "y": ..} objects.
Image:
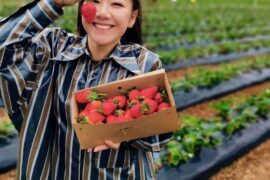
[
  {"x": 95, "y": 96},
  {"x": 126, "y": 92},
  {"x": 145, "y": 108},
  {"x": 82, "y": 120}
]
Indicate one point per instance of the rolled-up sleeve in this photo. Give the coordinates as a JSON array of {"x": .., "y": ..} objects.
[{"x": 21, "y": 54}]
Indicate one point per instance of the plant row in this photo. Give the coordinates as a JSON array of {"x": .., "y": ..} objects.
[
  {"x": 197, "y": 132},
  {"x": 204, "y": 78},
  {"x": 198, "y": 39},
  {"x": 212, "y": 49},
  {"x": 7, "y": 129}
]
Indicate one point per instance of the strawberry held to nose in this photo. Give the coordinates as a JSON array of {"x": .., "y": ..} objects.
[{"x": 88, "y": 11}]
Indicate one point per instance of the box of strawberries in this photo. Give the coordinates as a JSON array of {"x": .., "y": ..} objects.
[{"x": 124, "y": 110}]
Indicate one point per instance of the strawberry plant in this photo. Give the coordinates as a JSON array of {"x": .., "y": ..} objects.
[
  {"x": 204, "y": 78},
  {"x": 7, "y": 129},
  {"x": 196, "y": 132}
]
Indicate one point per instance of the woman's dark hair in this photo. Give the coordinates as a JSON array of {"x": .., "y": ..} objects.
[{"x": 132, "y": 35}]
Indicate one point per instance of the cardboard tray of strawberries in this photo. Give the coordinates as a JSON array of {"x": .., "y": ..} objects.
[{"x": 124, "y": 110}]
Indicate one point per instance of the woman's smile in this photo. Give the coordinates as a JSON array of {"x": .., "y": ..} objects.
[{"x": 103, "y": 26}]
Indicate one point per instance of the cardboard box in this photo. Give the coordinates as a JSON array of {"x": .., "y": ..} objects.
[{"x": 157, "y": 123}]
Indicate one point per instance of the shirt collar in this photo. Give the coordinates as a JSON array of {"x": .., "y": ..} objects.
[{"x": 124, "y": 55}]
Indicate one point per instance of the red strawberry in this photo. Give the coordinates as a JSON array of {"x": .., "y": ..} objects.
[
  {"x": 132, "y": 103},
  {"x": 95, "y": 117},
  {"x": 136, "y": 111},
  {"x": 111, "y": 119},
  {"x": 100, "y": 122},
  {"x": 81, "y": 97},
  {"x": 92, "y": 117},
  {"x": 122, "y": 119},
  {"x": 148, "y": 93},
  {"x": 119, "y": 112},
  {"x": 134, "y": 94},
  {"x": 158, "y": 97},
  {"x": 88, "y": 11},
  {"x": 87, "y": 95},
  {"x": 128, "y": 115},
  {"x": 83, "y": 117},
  {"x": 93, "y": 106},
  {"x": 108, "y": 108},
  {"x": 149, "y": 106},
  {"x": 163, "y": 106},
  {"x": 120, "y": 101}
]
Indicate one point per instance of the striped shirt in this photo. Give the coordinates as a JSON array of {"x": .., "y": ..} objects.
[{"x": 40, "y": 67}]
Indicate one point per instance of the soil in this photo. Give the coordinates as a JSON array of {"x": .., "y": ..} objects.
[{"x": 253, "y": 166}]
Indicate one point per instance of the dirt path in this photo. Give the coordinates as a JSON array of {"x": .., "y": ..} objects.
[{"x": 253, "y": 166}]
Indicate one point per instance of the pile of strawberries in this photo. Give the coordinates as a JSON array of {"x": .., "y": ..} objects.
[{"x": 134, "y": 103}]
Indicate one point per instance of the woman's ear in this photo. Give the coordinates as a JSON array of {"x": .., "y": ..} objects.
[{"x": 133, "y": 18}]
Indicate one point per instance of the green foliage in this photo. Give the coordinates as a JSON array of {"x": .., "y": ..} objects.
[
  {"x": 196, "y": 133},
  {"x": 7, "y": 129},
  {"x": 204, "y": 78}
]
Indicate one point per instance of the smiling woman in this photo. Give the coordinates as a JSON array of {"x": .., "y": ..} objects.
[{"x": 40, "y": 67}]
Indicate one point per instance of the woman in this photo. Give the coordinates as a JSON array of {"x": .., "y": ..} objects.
[{"x": 41, "y": 67}]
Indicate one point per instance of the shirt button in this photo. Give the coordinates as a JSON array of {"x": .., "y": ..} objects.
[{"x": 35, "y": 85}]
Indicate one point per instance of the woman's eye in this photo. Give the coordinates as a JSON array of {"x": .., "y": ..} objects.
[
  {"x": 117, "y": 4},
  {"x": 95, "y": 1}
]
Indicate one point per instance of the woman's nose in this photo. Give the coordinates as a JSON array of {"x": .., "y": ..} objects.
[{"x": 103, "y": 11}]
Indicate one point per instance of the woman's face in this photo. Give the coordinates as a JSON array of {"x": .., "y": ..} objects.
[{"x": 112, "y": 19}]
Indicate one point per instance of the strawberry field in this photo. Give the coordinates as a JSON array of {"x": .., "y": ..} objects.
[{"x": 217, "y": 57}]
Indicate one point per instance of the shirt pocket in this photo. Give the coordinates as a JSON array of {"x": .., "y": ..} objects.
[{"x": 112, "y": 158}]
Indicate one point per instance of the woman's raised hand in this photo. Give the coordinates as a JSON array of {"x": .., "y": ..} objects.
[{"x": 62, "y": 3}]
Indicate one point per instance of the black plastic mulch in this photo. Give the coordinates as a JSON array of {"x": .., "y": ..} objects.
[
  {"x": 8, "y": 153},
  {"x": 195, "y": 96},
  {"x": 214, "y": 59},
  {"x": 210, "y": 160}
]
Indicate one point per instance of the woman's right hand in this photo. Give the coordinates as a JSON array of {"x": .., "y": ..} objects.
[{"x": 62, "y": 3}]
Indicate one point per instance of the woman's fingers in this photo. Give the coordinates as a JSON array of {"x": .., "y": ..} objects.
[
  {"x": 108, "y": 144},
  {"x": 62, "y": 3},
  {"x": 112, "y": 144},
  {"x": 101, "y": 148}
]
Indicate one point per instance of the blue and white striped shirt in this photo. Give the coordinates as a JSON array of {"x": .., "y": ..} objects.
[{"x": 40, "y": 67}]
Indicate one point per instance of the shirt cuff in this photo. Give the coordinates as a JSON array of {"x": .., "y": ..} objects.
[{"x": 46, "y": 12}]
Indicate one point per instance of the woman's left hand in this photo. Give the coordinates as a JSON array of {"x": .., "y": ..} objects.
[{"x": 108, "y": 144}]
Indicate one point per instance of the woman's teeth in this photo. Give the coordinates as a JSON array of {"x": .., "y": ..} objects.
[{"x": 103, "y": 26}]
